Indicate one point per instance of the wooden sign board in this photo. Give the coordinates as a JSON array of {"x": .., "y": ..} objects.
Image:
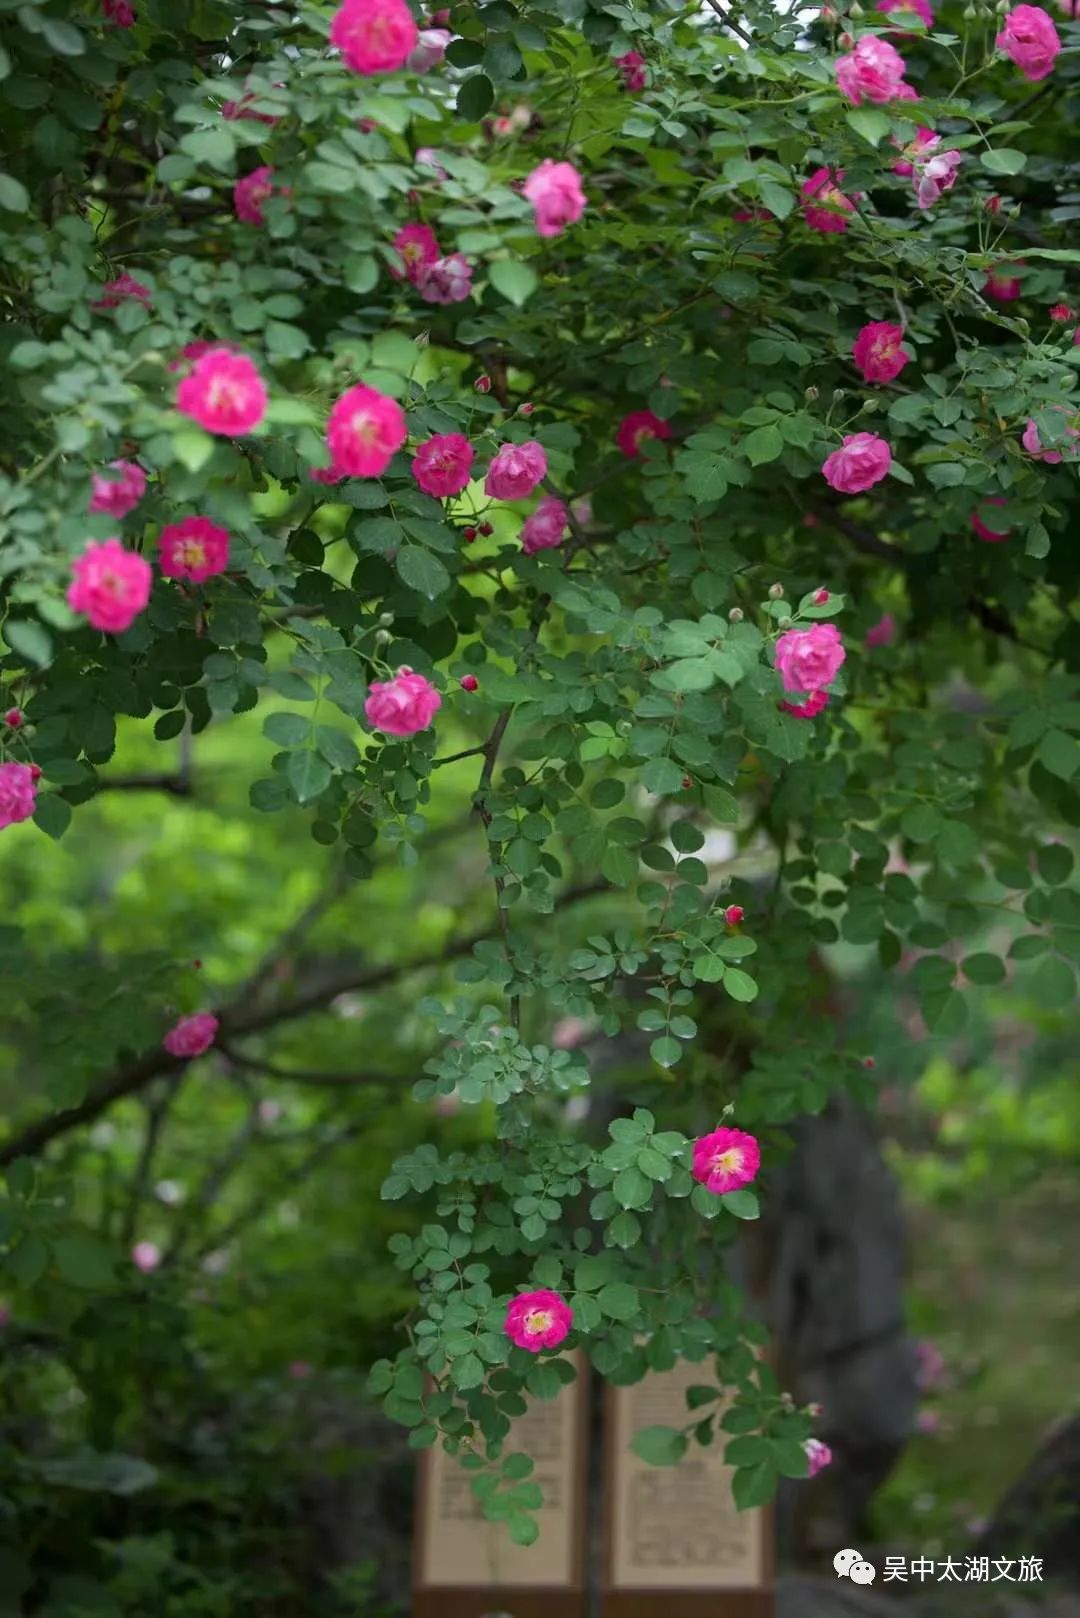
[
  {"x": 673, "y": 1531},
  {"x": 466, "y": 1567}
]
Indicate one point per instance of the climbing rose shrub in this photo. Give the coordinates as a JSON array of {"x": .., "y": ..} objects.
[{"x": 508, "y": 403}]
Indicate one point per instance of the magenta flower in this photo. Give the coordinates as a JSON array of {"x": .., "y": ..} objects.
[
  {"x": 815, "y": 702},
  {"x": 223, "y": 392},
  {"x": 191, "y": 1035},
  {"x": 824, "y": 204},
  {"x": 447, "y": 280},
  {"x": 635, "y": 428},
  {"x": 862, "y": 460},
  {"x": 878, "y": 353},
  {"x": 374, "y": 36},
  {"x": 1033, "y": 444},
  {"x": 544, "y": 530},
  {"x": 873, "y": 71},
  {"x": 807, "y": 660},
  {"x": 194, "y": 549},
  {"x": 818, "y": 1456},
  {"x": 251, "y": 192},
  {"x": 416, "y": 247},
  {"x": 122, "y": 290},
  {"x": 516, "y": 470},
  {"x": 403, "y": 705},
  {"x": 1030, "y": 40},
  {"x": 146, "y": 1256},
  {"x": 429, "y": 50},
  {"x": 634, "y": 72},
  {"x": 365, "y": 430},
  {"x": 934, "y": 176},
  {"x": 118, "y": 12},
  {"x": 988, "y": 535},
  {"x": 443, "y": 465},
  {"x": 883, "y": 633},
  {"x": 110, "y": 586},
  {"x": 1060, "y": 313},
  {"x": 725, "y": 1160},
  {"x": 118, "y": 495},
  {"x": 539, "y": 1319},
  {"x": 1002, "y": 287},
  {"x": 554, "y": 189},
  {"x": 925, "y": 142},
  {"x": 18, "y": 793}
]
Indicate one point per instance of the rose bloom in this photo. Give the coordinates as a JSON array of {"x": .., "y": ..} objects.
[
  {"x": 807, "y": 660},
  {"x": 1060, "y": 313},
  {"x": 146, "y": 1256},
  {"x": 633, "y": 69},
  {"x": 447, "y": 280},
  {"x": 874, "y": 71},
  {"x": 815, "y": 702},
  {"x": 110, "y": 586},
  {"x": 516, "y": 470},
  {"x": 224, "y": 393},
  {"x": 862, "y": 460},
  {"x": 906, "y": 11},
  {"x": 118, "y": 12},
  {"x": 827, "y": 210},
  {"x": 725, "y": 1160},
  {"x": 883, "y": 633},
  {"x": 544, "y": 530},
  {"x": 251, "y": 192},
  {"x": 244, "y": 109},
  {"x": 374, "y": 36},
  {"x": 934, "y": 176},
  {"x": 638, "y": 426},
  {"x": 1001, "y": 287},
  {"x": 1030, "y": 39},
  {"x": 125, "y": 287},
  {"x": 428, "y": 158},
  {"x": 118, "y": 495},
  {"x": 429, "y": 50},
  {"x": 1033, "y": 444},
  {"x": 417, "y": 247},
  {"x": 877, "y": 351},
  {"x": 18, "y": 793},
  {"x": 191, "y": 1035},
  {"x": 818, "y": 1456},
  {"x": 924, "y": 143},
  {"x": 194, "y": 549},
  {"x": 403, "y": 705},
  {"x": 536, "y": 1320},
  {"x": 443, "y": 465},
  {"x": 988, "y": 535},
  {"x": 364, "y": 431},
  {"x": 554, "y": 189}
]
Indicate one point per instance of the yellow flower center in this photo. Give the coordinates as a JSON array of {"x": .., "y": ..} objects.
[
  {"x": 537, "y": 1321},
  {"x": 730, "y": 1162},
  {"x": 365, "y": 430},
  {"x": 192, "y": 552}
]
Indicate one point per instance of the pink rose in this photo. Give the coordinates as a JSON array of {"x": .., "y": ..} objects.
[
  {"x": 118, "y": 12},
  {"x": 428, "y": 158},
  {"x": 191, "y": 1035},
  {"x": 447, "y": 280},
  {"x": 988, "y": 535},
  {"x": 1002, "y": 288},
  {"x": 417, "y": 247},
  {"x": 826, "y": 212},
  {"x": 554, "y": 189},
  {"x": 725, "y": 1160},
  {"x": 883, "y": 633},
  {"x": 429, "y": 50},
  {"x": 878, "y": 353},
  {"x": 224, "y": 393},
  {"x": 251, "y": 192},
  {"x": 545, "y": 528},
  {"x": 109, "y": 585},
  {"x": 818, "y": 1456},
  {"x": 146, "y": 1256},
  {"x": 364, "y": 431},
  {"x": 374, "y": 36},
  {"x": 244, "y": 109},
  {"x": 874, "y": 71},
  {"x": 195, "y": 549},
  {"x": 814, "y": 704},
  {"x": 123, "y": 289},
  {"x": 638, "y": 426},
  {"x": 862, "y": 460},
  {"x": 807, "y": 660},
  {"x": 443, "y": 465},
  {"x": 1033, "y": 444},
  {"x": 516, "y": 470},
  {"x": 18, "y": 793},
  {"x": 906, "y": 12},
  {"x": 924, "y": 143},
  {"x": 633, "y": 69},
  {"x": 1030, "y": 39},
  {"x": 934, "y": 176},
  {"x": 536, "y": 1320},
  {"x": 403, "y": 705},
  {"x": 1060, "y": 313},
  {"x": 121, "y": 493}
]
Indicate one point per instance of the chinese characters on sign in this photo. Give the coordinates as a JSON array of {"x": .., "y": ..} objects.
[{"x": 965, "y": 1570}]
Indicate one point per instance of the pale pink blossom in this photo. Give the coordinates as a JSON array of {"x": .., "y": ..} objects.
[
  {"x": 878, "y": 351},
  {"x": 883, "y": 633},
  {"x": 569, "y": 1032},
  {"x": 417, "y": 247},
  {"x": 934, "y": 176},
  {"x": 251, "y": 192},
  {"x": 554, "y": 189},
  {"x": 429, "y": 50},
  {"x": 638, "y": 426},
  {"x": 224, "y": 393},
  {"x": 403, "y": 705},
  {"x": 123, "y": 289},
  {"x": 447, "y": 280},
  {"x": 928, "y": 1421},
  {"x": 18, "y": 793},
  {"x": 862, "y": 460},
  {"x": 988, "y": 535},
  {"x": 538, "y": 1319},
  {"x": 922, "y": 146},
  {"x": 146, "y": 1256},
  {"x": 119, "y": 493},
  {"x": 634, "y": 71},
  {"x": 813, "y": 705},
  {"x": 545, "y": 529},
  {"x": 809, "y": 659},
  {"x": 873, "y": 71},
  {"x": 374, "y": 36},
  {"x": 442, "y": 465},
  {"x": 300, "y": 1370},
  {"x": 930, "y": 1363},
  {"x": 194, "y": 549},
  {"x": 110, "y": 586},
  {"x": 818, "y": 1456},
  {"x": 191, "y": 1035},
  {"x": 1033, "y": 444},
  {"x": 516, "y": 470},
  {"x": 428, "y": 158},
  {"x": 1030, "y": 40},
  {"x": 725, "y": 1160},
  {"x": 365, "y": 430},
  {"x": 824, "y": 205}
]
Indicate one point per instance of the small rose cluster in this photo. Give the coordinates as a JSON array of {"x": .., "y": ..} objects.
[{"x": 437, "y": 277}]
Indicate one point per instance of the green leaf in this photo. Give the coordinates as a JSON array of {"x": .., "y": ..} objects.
[
  {"x": 665, "y": 1050},
  {"x": 631, "y": 1188},
  {"x": 754, "y": 1485},
  {"x": 1060, "y": 754},
  {"x": 524, "y": 1530},
  {"x": 873, "y": 126},
  {"x": 100, "y": 1473},
  {"x": 30, "y": 640},
  {"x": 1052, "y": 985},
  {"x": 475, "y": 98},
  {"x": 192, "y": 448},
  {"x": 763, "y": 444},
  {"x": 14, "y": 197},
  {"x": 662, "y": 776},
  {"x": 659, "y": 1446},
  {"x": 743, "y": 1204},
  {"x": 619, "y": 1301},
  {"x": 84, "y": 1260},
  {"x": 62, "y": 37},
  {"x": 514, "y": 279},
  {"x": 287, "y": 729},
  {"x": 739, "y": 985},
  {"x": 26, "y": 1263},
  {"x": 421, "y": 571},
  {"x": 1003, "y": 160},
  {"x": 52, "y": 815},
  {"x": 309, "y": 774}
]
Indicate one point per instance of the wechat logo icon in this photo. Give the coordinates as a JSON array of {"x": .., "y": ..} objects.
[{"x": 850, "y": 1565}]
